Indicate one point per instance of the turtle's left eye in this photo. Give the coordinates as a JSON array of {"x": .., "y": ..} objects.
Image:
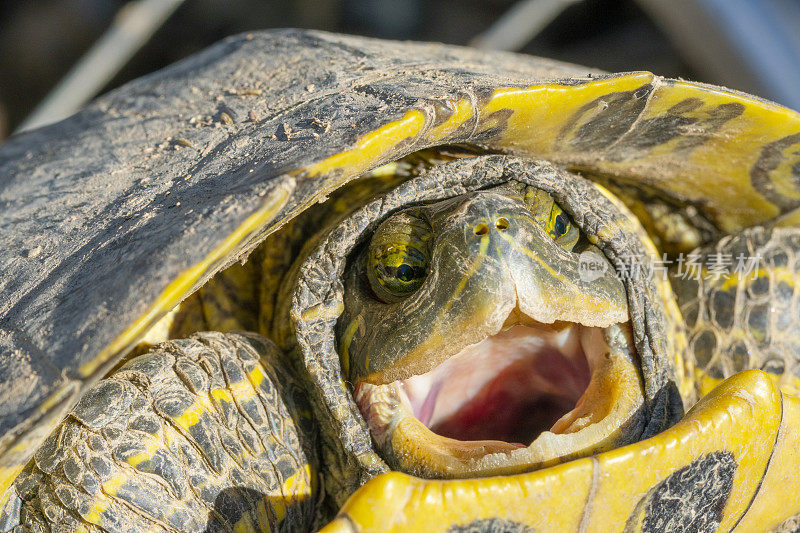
[
  {"x": 554, "y": 220},
  {"x": 560, "y": 225},
  {"x": 560, "y": 228},
  {"x": 397, "y": 259}
]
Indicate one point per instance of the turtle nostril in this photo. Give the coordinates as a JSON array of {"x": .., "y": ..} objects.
[
  {"x": 501, "y": 224},
  {"x": 481, "y": 229}
]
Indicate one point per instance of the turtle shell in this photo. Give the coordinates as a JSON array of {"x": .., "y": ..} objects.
[{"x": 113, "y": 216}]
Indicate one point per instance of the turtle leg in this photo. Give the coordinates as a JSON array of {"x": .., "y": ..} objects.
[
  {"x": 746, "y": 316},
  {"x": 740, "y": 299},
  {"x": 201, "y": 434}
]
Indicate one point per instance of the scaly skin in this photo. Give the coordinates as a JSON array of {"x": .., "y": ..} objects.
[
  {"x": 749, "y": 320},
  {"x": 208, "y": 433},
  {"x": 707, "y": 462}
]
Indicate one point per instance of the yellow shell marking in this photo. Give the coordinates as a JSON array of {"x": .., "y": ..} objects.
[
  {"x": 463, "y": 110},
  {"x": 540, "y": 112},
  {"x": 705, "y": 160},
  {"x": 372, "y": 147},
  {"x": 536, "y": 127}
]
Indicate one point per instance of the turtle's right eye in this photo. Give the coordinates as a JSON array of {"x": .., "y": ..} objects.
[
  {"x": 398, "y": 257},
  {"x": 554, "y": 220},
  {"x": 558, "y": 223}
]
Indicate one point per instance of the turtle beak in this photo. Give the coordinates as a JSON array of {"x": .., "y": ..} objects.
[{"x": 529, "y": 396}]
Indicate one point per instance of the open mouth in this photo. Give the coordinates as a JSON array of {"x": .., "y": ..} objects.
[{"x": 526, "y": 397}]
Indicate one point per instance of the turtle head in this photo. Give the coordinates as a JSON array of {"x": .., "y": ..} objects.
[
  {"x": 479, "y": 341},
  {"x": 472, "y": 322}
]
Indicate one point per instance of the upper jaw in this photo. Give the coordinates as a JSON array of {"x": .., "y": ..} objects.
[{"x": 528, "y": 396}]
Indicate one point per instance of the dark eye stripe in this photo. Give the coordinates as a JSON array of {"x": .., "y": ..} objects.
[{"x": 397, "y": 258}]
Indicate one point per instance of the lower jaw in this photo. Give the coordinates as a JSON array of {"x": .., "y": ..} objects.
[{"x": 604, "y": 416}]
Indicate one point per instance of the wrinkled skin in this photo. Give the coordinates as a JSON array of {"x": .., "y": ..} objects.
[{"x": 481, "y": 243}]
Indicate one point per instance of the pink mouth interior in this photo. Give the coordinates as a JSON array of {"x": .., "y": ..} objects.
[{"x": 509, "y": 387}]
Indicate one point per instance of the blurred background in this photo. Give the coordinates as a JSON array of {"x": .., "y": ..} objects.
[{"x": 57, "y": 54}]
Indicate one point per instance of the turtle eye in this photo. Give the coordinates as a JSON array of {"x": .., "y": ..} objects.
[
  {"x": 398, "y": 259},
  {"x": 559, "y": 224},
  {"x": 399, "y": 269},
  {"x": 554, "y": 220},
  {"x": 560, "y": 228}
]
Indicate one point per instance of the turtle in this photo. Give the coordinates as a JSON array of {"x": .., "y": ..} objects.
[{"x": 303, "y": 280}]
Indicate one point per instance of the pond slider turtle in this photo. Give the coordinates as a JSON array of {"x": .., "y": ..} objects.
[{"x": 304, "y": 279}]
